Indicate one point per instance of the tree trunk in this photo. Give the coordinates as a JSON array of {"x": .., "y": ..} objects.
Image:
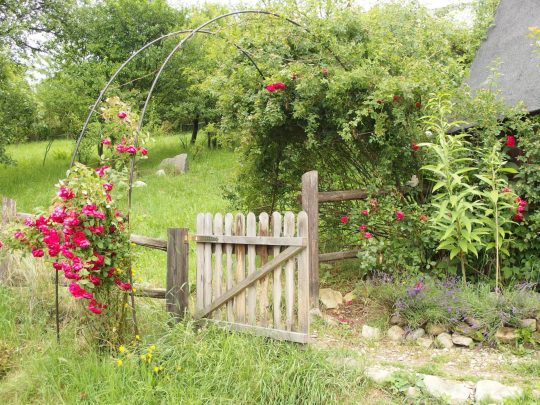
[{"x": 195, "y": 130}]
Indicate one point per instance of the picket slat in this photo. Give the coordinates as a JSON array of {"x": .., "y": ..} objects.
[
  {"x": 207, "y": 261},
  {"x": 288, "y": 230},
  {"x": 229, "y": 264},
  {"x": 240, "y": 300},
  {"x": 200, "y": 265},
  {"x": 263, "y": 253},
  {"x": 276, "y": 281},
  {"x": 251, "y": 230},
  {"x": 218, "y": 265},
  {"x": 303, "y": 277}
]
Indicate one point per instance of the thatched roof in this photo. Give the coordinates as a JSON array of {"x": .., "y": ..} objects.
[{"x": 508, "y": 42}]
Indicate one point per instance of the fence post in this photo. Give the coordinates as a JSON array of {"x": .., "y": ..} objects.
[
  {"x": 177, "y": 293},
  {"x": 9, "y": 210},
  {"x": 310, "y": 204}
]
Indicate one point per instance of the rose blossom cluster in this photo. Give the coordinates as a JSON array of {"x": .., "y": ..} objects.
[
  {"x": 70, "y": 234},
  {"x": 520, "y": 209},
  {"x": 275, "y": 86}
]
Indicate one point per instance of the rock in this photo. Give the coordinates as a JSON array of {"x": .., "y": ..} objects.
[
  {"x": 177, "y": 164},
  {"x": 424, "y": 341},
  {"x": 415, "y": 334},
  {"x": 369, "y": 332},
  {"x": 349, "y": 297},
  {"x": 395, "y": 333},
  {"x": 506, "y": 335},
  {"x": 463, "y": 329},
  {"x": 380, "y": 374},
  {"x": 330, "y": 298},
  {"x": 435, "y": 329},
  {"x": 413, "y": 392},
  {"x": 139, "y": 183},
  {"x": 536, "y": 337},
  {"x": 462, "y": 340},
  {"x": 529, "y": 324},
  {"x": 397, "y": 320},
  {"x": 454, "y": 392},
  {"x": 444, "y": 340},
  {"x": 160, "y": 173},
  {"x": 495, "y": 391}
]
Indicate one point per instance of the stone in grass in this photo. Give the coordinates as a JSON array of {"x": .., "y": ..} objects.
[
  {"x": 416, "y": 334},
  {"x": 330, "y": 298},
  {"x": 372, "y": 333},
  {"x": 413, "y": 392},
  {"x": 459, "y": 340},
  {"x": 395, "y": 333},
  {"x": 444, "y": 340},
  {"x": 493, "y": 391},
  {"x": 506, "y": 335},
  {"x": 139, "y": 183},
  {"x": 160, "y": 173},
  {"x": 176, "y": 165},
  {"x": 380, "y": 374},
  {"x": 425, "y": 341},
  {"x": 435, "y": 329},
  {"x": 397, "y": 320},
  {"x": 529, "y": 324},
  {"x": 454, "y": 392}
]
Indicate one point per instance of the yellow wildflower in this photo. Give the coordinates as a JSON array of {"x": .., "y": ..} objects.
[
  {"x": 156, "y": 369},
  {"x": 119, "y": 362},
  {"x": 122, "y": 349}
]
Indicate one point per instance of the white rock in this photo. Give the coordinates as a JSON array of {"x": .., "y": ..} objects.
[
  {"x": 462, "y": 340},
  {"x": 454, "y": 392},
  {"x": 395, "y": 333},
  {"x": 444, "y": 340},
  {"x": 506, "y": 335},
  {"x": 495, "y": 391},
  {"x": 424, "y": 341},
  {"x": 160, "y": 173},
  {"x": 330, "y": 298},
  {"x": 369, "y": 332},
  {"x": 416, "y": 334},
  {"x": 139, "y": 183},
  {"x": 380, "y": 374},
  {"x": 177, "y": 164},
  {"x": 529, "y": 324}
]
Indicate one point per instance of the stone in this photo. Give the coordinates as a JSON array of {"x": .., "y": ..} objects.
[
  {"x": 177, "y": 164},
  {"x": 415, "y": 334},
  {"x": 487, "y": 390},
  {"x": 506, "y": 335},
  {"x": 330, "y": 298},
  {"x": 459, "y": 340},
  {"x": 463, "y": 329},
  {"x": 139, "y": 183},
  {"x": 454, "y": 392},
  {"x": 444, "y": 340},
  {"x": 395, "y": 333},
  {"x": 380, "y": 374},
  {"x": 369, "y": 332},
  {"x": 424, "y": 341},
  {"x": 529, "y": 324},
  {"x": 160, "y": 173},
  {"x": 397, "y": 320},
  {"x": 349, "y": 297},
  {"x": 413, "y": 392},
  {"x": 435, "y": 329}
]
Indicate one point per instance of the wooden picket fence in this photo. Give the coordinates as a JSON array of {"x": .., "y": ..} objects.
[{"x": 254, "y": 276}]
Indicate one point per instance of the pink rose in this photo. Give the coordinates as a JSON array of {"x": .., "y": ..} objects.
[
  {"x": 270, "y": 88},
  {"x": 98, "y": 230},
  {"x": 122, "y": 115},
  {"x": 101, "y": 170},
  {"x": 88, "y": 209},
  {"x": 37, "y": 252},
  {"x": 106, "y": 141},
  {"x": 368, "y": 235},
  {"x": 143, "y": 151},
  {"x": 400, "y": 215},
  {"x": 78, "y": 292},
  {"x": 108, "y": 186},
  {"x": 365, "y": 213},
  {"x": 363, "y": 227},
  {"x": 65, "y": 193},
  {"x": 79, "y": 239},
  {"x": 131, "y": 149},
  {"x": 121, "y": 148},
  {"x": 344, "y": 219},
  {"x": 122, "y": 285},
  {"x": 19, "y": 235},
  {"x": 94, "y": 279},
  {"x": 95, "y": 307}
]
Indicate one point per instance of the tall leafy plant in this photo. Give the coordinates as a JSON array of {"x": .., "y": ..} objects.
[{"x": 455, "y": 199}]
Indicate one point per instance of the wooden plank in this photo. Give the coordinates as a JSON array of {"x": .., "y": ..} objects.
[
  {"x": 200, "y": 266},
  {"x": 218, "y": 266},
  {"x": 329, "y": 257},
  {"x": 276, "y": 279},
  {"x": 288, "y": 230},
  {"x": 263, "y": 254},
  {"x": 310, "y": 204},
  {"x": 229, "y": 264},
  {"x": 345, "y": 195},
  {"x": 240, "y": 300},
  {"x": 177, "y": 294},
  {"x": 207, "y": 261},
  {"x": 251, "y": 230},
  {"x": 277, "y": 334},
  {"x": 303, "y": 277},
  {"x": 252, "y": 240},
  {"x": 147, "y": 292},
  {"x": 239, "y": 288},
  {"x": 145, "y": 241}
]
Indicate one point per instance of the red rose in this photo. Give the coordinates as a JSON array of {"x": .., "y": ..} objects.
[
  {"x": 415, "y": 147},
  {"x": 143, "y": 151},
  {"x": 108, "y": 186},
  {"x": 344, "y": 219},
  {"x": 518, "y": 217},
  {"x": 270, "y": 88},
  {"x": 37, "y": 252},
  {"x": 418, "y": 104},
  {"x": 510, "y": 141},
  {"x": 122, "y": 115},
  {"x": 400, "y": 215},
  {"x": 78, "y": 292},
  {"x": 396, "y": 98},
  {"x": 122, "y": 285},
  {"x": 365, "y": 213}
]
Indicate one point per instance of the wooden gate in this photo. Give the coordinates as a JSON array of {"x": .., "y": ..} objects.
[{"x": 254, "y": 276}]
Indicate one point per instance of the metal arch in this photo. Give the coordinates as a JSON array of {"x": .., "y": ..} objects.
[
  {"x": 125, "y": 63},
  {"x": 171, "y": 54}
]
